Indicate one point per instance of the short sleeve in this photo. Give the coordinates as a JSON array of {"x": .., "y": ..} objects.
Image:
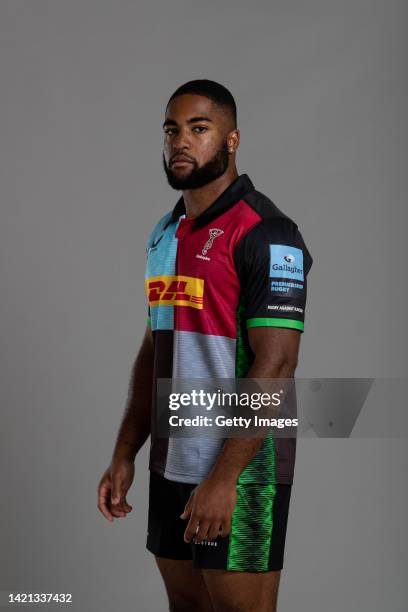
[
  {"x": 150, "y": 247},
  {"x": 272, "y": 263}
]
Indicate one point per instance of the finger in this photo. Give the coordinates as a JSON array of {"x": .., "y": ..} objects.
[
  {"x": 127, "y": 507},
  {"x": 202, "y": 532},
  {"x": 117, "y": 512},
  {"x": 123, "y": 505},
  {"x": 214, "y": 530},
  {"x": 191, "y": 528},
  {"x": 117, "y": 491},
  {"x": 122, "y": 508},
  {"x": 188, "y": 508},
  {"x": 225, "y": 527},
  {"x": 103, "y": 497}
]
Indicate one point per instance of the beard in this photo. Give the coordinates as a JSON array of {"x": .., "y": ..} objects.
[{"x": 200, "y": 176}]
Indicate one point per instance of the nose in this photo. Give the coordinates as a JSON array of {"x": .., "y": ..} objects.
[{"x": 180, "y": 141}]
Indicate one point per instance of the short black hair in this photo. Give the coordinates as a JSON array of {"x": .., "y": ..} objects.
[{"x": 216, "y": 92}]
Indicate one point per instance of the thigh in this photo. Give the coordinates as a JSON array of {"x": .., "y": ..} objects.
[
  {"x": 242, "y": 571},
  {"x": 185, "y": 586},
  {"x": 242, "y": 591}
]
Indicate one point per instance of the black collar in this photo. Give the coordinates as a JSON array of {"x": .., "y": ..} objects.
[{"x": 230, "y": 196}]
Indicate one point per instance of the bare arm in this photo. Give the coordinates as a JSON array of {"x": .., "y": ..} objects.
[
  {"x": 276, "y": 355},
  {"x": 135, "y": 426},
  {"x": 210, "y": 508},
  {"x": 133, "y": 432}
]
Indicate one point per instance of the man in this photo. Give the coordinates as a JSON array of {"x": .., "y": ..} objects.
[{"x": 226, "y": 287}]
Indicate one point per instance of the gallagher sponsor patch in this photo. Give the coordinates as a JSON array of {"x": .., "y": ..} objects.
[{"x": 286, "y": 264}]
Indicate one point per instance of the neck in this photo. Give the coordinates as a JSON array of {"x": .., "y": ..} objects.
[{"x": 198, "y": 200}]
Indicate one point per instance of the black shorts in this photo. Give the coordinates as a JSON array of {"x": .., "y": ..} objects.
[{"x": 256, "y": 542}]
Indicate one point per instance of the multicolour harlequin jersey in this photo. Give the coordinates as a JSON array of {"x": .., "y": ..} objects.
[{"x": 241, "y": 263}]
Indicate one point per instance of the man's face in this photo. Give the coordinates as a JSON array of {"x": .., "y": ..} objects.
[{"x": 195, "y": 142}]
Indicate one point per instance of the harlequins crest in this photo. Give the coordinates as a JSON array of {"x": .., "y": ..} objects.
[{"x": 214, "y": 233}]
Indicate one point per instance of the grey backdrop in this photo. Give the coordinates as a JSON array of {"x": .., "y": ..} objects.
[{"x": 321, "y": 90}]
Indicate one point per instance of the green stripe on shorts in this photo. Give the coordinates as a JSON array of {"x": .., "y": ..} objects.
[{"x": 251, "y": 528}]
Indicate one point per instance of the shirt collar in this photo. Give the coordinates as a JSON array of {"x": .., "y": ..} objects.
[{"x": 230, "y": 196}]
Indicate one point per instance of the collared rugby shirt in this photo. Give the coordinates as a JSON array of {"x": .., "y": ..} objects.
[{"x": 241, "y": 263}]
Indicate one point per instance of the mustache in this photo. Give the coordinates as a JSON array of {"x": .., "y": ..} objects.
[{"x": 187, "y": 157}]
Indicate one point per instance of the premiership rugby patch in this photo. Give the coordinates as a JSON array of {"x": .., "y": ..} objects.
[{"x": 286, "y": 264}]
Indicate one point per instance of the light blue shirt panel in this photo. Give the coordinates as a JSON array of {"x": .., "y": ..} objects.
[{"x": 161, "y": 261}]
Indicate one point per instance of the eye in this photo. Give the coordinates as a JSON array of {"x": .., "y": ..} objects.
[
  {"x": 169, "y": 130},
  {"x": 201, "y": 128}
]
